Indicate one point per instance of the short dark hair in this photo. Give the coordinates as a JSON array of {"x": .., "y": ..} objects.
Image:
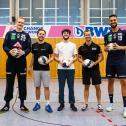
[
  {"x": 66, "y": 30},
  {"x": 41, "y": 29},
  {"x": 113, "y": 15},
  {"x": 86, "y": 31}
]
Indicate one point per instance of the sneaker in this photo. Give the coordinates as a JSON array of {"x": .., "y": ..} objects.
[
  {"x": 100, "y": 108},
  {"x": 48, "y": 108},
  {"x": 61, "y": 107},
  {"x": 4, "y": 109},
  {"x": 124, "y": 113},
  {"x": 36, "y": 107},
  {"x": 72, "y": 106},
  {"x": 109, "y": 108},
  {"x": 24, "y": 108},
  {"x": 84, "y": 108}
]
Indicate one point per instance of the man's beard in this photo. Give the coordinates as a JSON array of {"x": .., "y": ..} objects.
[
  {"x": 40, "y": 39},
  {"x": 114, "y": 26},
  {"x": 65, "y": 38}
]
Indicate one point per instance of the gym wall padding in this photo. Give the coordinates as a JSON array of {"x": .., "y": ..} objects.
[{"x": 53, "y": 65}]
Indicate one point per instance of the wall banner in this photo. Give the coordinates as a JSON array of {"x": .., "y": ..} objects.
[{"x": 55, "y": 31}]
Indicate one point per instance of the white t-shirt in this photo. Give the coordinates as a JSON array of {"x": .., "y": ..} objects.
[{"x": 65, "y": 50}]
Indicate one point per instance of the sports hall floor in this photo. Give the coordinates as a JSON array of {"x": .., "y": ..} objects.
[{"x": 66, "y": 117}]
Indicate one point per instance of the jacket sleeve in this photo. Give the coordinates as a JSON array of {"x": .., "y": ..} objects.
[
  {"x": 105, "y": 40},
  {"x": 28, "y": 49},
  {"x": 6, "y": 44}
]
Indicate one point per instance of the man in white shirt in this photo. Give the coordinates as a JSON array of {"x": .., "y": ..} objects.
[{"x": 66, "y": 55}]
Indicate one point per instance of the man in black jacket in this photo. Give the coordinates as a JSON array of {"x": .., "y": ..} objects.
[
  {"x": 115, "y": 46},
  {"x": 17, "y": 45}
]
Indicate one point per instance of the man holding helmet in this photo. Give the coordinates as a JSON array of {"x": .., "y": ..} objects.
[
  {"x": 17, "y": 45},
  {"x": 42, "y": 55},
  {"x": 90, "y": 55},
  {"x": 66, "y": 55}
]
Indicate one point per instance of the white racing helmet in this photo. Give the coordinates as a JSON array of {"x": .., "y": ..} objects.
[
  {"x": 110, "y": 45},
  {"x": 67, "y": 61},
  {"x": 87, "y": 63},
  {"x": 42, "y": 60}
]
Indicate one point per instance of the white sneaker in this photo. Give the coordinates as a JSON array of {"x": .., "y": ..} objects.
[
  {"x": 85, "y": 107},
  {"x": 124, "y": 113},
  {"x": 100, "y": 108},
  {"x": 109, "y": 108}
]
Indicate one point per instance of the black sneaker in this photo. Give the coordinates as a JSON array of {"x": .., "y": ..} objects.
[
  {"x": 72, "y": 106},
  {"x": 24, "y": 108},
  {"x": 84, "y": 108},
  {"x": 61, "y": 107},
  {"x": 4, "y": 109}
]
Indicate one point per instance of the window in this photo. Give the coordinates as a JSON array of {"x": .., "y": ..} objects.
[
  {"x": 37, "y": 12},
  {"x": 25, "y": 10},
  {"x": 62, "y": 12},
  {"x": 50, "y": 12},
  {"x": 4, "y": 11},
  {"x": 75, "y": 12},
  {"x": 101, "y": 9},
  {"x": 121, "y": 11}
]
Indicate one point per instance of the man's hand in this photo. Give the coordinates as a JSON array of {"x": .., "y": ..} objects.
[
  {"x": 20, "y": 53},
  {"x": 116, "y": 46},
  {"x": 13, "y": 52},
  {"x": 29, "y": 70},
  {"x": 107, "y": 48},
  {"x": 92, "y": 64}
]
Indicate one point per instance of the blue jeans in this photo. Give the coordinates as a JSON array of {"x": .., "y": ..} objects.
[{"x": 64, "y": 75}]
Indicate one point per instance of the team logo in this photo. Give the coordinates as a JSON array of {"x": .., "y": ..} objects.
[
  {"x": 23, "y": 37},
  {"x": 93, "y": 48},
  {"x": 17, "y": 45},
  {"x": 114, "y": 36},
  {"x": 13, "y": 36},
  {"x": 109, "y": 38},
  {"x": 119, "y": 36},
  {"x": 18, "y": 36}
]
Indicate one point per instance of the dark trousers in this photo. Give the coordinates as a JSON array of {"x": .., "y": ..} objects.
[
  {"x": 64, "y": 75},
  {"x": 13, "y": 68}
]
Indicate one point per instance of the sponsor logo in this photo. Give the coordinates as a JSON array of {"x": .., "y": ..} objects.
[
  {"x": 119, "y": 36},
  {"x": 109, "y": 38},
  {"x": 13, "y": 36},
  {"x": 97, "y": 31},
  {"x": 93, "y": 48}
]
